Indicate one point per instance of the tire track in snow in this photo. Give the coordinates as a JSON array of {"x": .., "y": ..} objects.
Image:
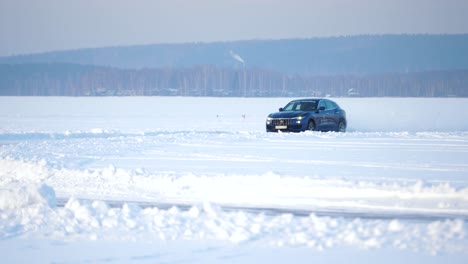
[{"x": 298, "y": 212}]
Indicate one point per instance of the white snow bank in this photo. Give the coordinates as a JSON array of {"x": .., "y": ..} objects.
[
  {"x": 96, "y": 220},
  {"x": 12, "y": 171},
  {"x": 22, "y": 184},
  {"x": 27, "y": 207},
  {"x": 268, "y": 190},
  {"x": 15, "y": 197}
]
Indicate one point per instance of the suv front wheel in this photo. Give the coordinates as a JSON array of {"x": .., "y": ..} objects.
[{"x": 311, "y": 126}]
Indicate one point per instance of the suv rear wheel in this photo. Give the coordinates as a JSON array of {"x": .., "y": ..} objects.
[{"x": 342, "y": 126}]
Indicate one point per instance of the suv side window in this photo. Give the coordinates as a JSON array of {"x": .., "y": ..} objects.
[{"x": 330, "y": 105}]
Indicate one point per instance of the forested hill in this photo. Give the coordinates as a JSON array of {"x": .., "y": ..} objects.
[
  {"x": 316, "y": 56},
  {"x": 388, "y": 65}
]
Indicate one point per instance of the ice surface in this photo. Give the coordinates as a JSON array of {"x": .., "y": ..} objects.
[{"x": 76, "y": 170}]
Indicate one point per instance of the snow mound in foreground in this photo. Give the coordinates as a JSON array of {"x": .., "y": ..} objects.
[
  {"x": 15, "y": 197},
  {"x": 28, "y": 208},
  {"x": 95, "y": 220},
  {"x": 23, "y": 185}
]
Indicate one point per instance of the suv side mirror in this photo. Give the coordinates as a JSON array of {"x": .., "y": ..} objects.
[
  {"x": 321, "y": 108},
  {"x": 281, "y": 109}
]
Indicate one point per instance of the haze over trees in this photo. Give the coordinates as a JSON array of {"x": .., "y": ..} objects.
[{"x": 387, "y": 65}]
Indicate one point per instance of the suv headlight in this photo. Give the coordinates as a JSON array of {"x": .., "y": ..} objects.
[
  {"x": 298, "y": 119},
  {"x": 268, "y": 120}
]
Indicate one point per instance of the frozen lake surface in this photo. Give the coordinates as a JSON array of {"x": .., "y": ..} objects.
[{"x": 172, "y": 179}]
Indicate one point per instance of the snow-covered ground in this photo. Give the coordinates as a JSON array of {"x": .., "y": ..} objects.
[{"x": 171, "y": 179}]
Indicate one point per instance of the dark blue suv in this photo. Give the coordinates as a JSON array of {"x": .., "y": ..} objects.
[{"x": 308, "y": 114}]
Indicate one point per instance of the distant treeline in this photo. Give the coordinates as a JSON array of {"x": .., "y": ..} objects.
[{"x": 58, "y": 79}]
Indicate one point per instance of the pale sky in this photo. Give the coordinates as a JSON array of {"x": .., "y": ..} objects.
[{"x": 29, "y": 26}]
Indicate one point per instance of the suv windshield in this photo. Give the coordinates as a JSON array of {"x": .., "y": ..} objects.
[{"x": 301, "y": 106}]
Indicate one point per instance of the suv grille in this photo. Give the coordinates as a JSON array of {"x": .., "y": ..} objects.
[{"x": 282, "y": 121}]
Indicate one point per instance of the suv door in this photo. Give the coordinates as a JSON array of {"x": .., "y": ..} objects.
[
  {"x": 320, "y": 116},
  {"x": 329, "y": 116}
]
